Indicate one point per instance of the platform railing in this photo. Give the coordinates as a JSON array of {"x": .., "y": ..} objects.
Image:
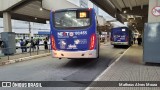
[{"x": 24, "y": 51}]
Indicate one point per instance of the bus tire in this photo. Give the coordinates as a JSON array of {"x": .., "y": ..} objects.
[
  {"x": 98, "y": 54},
  {"x": 115, "y": 46}
]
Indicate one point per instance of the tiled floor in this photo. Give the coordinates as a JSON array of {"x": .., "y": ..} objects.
[{"x": 130, "y": 67}]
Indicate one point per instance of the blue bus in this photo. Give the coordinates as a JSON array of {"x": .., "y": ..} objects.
[
  {"x": 74, "y": 33},
  {"x": 121, "y": 36}
]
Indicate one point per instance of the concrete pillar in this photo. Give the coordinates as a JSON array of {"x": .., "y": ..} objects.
[
  {"x": 151, "y": 17},
  {"x": 151, "y": 40},
  {"x": 7, "y": 22}
]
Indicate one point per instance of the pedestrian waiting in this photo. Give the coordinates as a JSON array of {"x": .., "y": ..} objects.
[
  {"x": 46, "y": 44},
  {"x": 32, "y": 46},
  {"x": 134, "y": 40},
  {"x": 37, "y": 43},
  {"x": 139, "y": 39},
  {"x": 22, "y": 45},
  {"x": 25, "y": 44}
]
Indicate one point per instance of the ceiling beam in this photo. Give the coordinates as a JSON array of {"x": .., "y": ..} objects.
[
  {"x": 136, "y": 2},
  {"x": 21, "y": 4},
  {"x": 116, "y": 4},
  {"x": 27, "y": 18},
  {"x": 124, "y": 3},
  {"x": 137, "y": 11},
  {"x": 141, "y": 1},
  {"x": 23, "y": 17},
  {"x": 106, "y": 6},
  {"x": 120, "y": 18},
  {"x": 130, "y": 5}
]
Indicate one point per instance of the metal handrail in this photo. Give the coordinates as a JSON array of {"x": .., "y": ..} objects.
[{"x": 30, "y": 50}]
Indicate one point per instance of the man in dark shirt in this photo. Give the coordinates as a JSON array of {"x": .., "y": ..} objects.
[
  {"x": 139, "y": 39},
  {"x": 32, "y": 44},
  {"x": 45, "y": 44},
  {"x": 25, "y": 44},
  {"x": 22, "y": 45},
  {"x": 37, "y": 43}
]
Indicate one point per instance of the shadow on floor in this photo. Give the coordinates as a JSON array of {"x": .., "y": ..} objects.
[{"x": 152, "y": 64}]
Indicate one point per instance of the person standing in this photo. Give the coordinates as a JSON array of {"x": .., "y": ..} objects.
[
  {"x": 32, "y": 44},
  {"x": 134, "y": 40},
  {"x": 139, "y": 39},
  {"x": 25, "y": 44},
  {"x": 22, "y": 45},
  {"x": 37, "y": 43},
  {"x": 45, "y": 44},
  {"x": 0, "y": 43}
]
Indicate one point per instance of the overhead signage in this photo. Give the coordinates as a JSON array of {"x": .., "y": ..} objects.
[
  {"x": 156, "y": 11},
  {"x": 82, "y": 14}
]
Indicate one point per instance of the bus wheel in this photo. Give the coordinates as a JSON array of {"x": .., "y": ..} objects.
[{"x": 98, "y": 54}]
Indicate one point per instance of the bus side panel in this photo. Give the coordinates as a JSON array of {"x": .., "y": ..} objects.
[{"x": 51, "y": 28}]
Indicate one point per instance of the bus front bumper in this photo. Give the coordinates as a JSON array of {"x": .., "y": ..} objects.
[
  {"x": 119, "y": 43},
  {"x": 74, "y": 54}
]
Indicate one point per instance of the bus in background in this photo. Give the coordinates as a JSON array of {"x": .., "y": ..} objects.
[
  {"x": 121, "y": 36},
  {"x": 74, "y": 33}
]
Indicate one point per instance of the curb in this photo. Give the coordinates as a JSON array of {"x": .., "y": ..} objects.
[
  {"x": 107, "y": 43},
  {"x": 23, "y": 59}
]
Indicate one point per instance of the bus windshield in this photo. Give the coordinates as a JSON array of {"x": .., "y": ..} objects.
[
  {"x": 119, "y": 32},
  {"x": 71, "y": 19}
]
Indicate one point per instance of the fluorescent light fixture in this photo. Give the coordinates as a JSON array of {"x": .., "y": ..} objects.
[
  {"x": 47, "y": 22},
  {"x": 41, "y": 9}
]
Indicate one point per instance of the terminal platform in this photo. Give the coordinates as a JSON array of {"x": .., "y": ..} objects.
[{"x": 130, "y": 67}]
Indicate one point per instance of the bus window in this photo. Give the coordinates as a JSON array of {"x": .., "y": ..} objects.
[{"x": 69, "y": 19}]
